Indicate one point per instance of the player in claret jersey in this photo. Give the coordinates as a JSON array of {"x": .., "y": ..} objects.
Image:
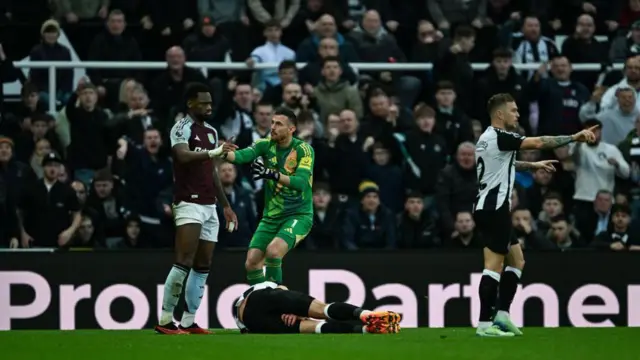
[
  {"x": 196, "y": 189},
  {"x": 287, "y": 167}
]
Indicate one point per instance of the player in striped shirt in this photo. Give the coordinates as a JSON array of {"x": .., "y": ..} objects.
[{"x": 496, "y": 165}]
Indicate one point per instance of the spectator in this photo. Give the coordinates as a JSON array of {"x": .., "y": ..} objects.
[
  {"x": 112, "y": 45},
  {"x": 451, "y": 121},
  {"x": 207, "y": 45},
  {"x": 530, "y": 46},
  {"x": 626, "y": 46},
  {"x": 147, "y": 171},
  {"x": 133, "y": 123},
  {"x": 241, "y": 203},
  {"x": 325, "y": 27},
  {"x": 425, "y": 154},
  {"x": 171, "y": 19},
  {"x": 311, "y": 73},
  {"x": 388, "y": 177},
  {"x": 294, "y": 100},
  {"x": 502, "y": 77},
  {"x": 583, "y": 47},
  {"x": 262, "y": 128},
  {"x": 456, "y": 189},
  {"x": 334, "y": 94},
  {"x": 618, "y": 121},
  {"x": 591, "y": 221},
  {"x": 287, "y": 74},
  {"x": 133, "y": 236},
  {"x": 91, "y": 140},
  {"x": 326, "y": 220},
  {"x": 416, "y": 228},
  {"x": 232, "y": 21},
  {"x": 30, "y": 105},
  {"x": 384, "y": 119},
  {"x": 51, "y": 50},
  {"x": 464, "y": 235},
  {"x": 39, "y": 129},
  {"x": 559, "y": 99},
  {"x": 348, "y": 158},
  {"x": 107, "y": 199},
  {"x": 234, "y": 115},
  {"x": 453, "y": 65},
  {"x": 449, "y": 13},
  {"x": 15, "y": 174},
  {"x": 80, "y": 19},
  {"x": 562, "y": 235},
  {"x": 631, "y": 79},
  {"x": 370, "y": 225},
  {"x": 375, "y": 45},
  {"x": 271, "y": 52},
  {"x": 552, "y": 205},
  {"x": 167, "y": 89},
  {"x": 619, "y": 237},
  {"x": 426, "y": 48},
  {"x": 632, "y": 187},
  {"x": 525, "y": 232},
  {"x": 541, "y": 186},
  {"x": 322, "y": 152},
  {"x": 401, "y": 18},
  {"x": 597, "y": 165},
  {"x": 8, "y": 74},
  {"x": 49, "y": 208},
  {"x": 9, "y": 222},
  {"x": 265, "y": 11},
  {"x": 87, "y": 235},
  {"x": 42, "y": 149}
]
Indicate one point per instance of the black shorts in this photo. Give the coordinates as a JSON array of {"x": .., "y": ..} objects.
[
  {"x": 264, "y": 309},
  {"x": 495, "y": 229}
]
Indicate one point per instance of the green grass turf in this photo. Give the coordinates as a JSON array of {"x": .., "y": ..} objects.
[{"x": 424, "y": 344}]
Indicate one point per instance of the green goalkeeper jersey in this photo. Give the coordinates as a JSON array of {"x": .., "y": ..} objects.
[{"x": 295, "y": 161}]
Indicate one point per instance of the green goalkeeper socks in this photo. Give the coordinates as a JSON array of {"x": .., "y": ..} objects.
[
  {"x": 274, "y": 270},
  {"x": 255, "y": 276}
]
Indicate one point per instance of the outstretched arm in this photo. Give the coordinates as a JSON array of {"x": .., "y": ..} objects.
[{"x": 508, "y": 141}]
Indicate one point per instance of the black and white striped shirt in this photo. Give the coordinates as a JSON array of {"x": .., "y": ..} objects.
[{"x": 496, "y": 152}]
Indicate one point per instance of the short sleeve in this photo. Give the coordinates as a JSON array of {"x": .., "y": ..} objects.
[
  {"x": 508, "y": 141},
  {"x": 180, "y": 133}
]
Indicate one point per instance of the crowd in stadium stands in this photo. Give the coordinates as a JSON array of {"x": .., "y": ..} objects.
[{"x": 394, "y": 150}]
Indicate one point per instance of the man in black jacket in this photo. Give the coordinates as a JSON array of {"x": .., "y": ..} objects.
[
  {"x": 370, "y": 225},
  {"x": 91, "y": 140},
  {"x": 457, "y": 188},
  {"x": 241, "y": 203},
  {"x": 501, "y": 77},
  {"x": 416, "y": 228},
  {"x": 425, "y": 154},
  {"x": 167, "y": 89},
  {"x": 113, "y": 45}
]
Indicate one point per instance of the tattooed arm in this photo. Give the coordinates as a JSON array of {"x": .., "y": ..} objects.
[
  {"x": 524, "y": 165},
  {"x": 547, "y": 142}
]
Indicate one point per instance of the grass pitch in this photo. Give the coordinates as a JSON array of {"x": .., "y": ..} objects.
[{"x": 424, "y": 344}]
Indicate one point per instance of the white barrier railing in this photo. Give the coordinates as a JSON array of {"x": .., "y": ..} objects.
[{"x": 205, "y": 66}]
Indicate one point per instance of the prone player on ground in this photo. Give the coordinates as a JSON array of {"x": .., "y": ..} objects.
[
  {"x": 267, "y": 308},
  {"x": 196, "y": 189},
  {"x": 496, "y": 152},
  {"x": 287, "y": 168}
]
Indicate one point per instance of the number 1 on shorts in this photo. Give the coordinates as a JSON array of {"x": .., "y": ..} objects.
[{"x": 293, "y": 224}]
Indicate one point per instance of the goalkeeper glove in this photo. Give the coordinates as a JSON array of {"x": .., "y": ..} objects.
[{"x": 259, "y": 171}]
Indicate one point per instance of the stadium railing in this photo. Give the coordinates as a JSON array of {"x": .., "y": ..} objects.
[{"x": 205, "y": 66}]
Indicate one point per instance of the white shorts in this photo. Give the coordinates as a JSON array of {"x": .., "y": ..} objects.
[{"x": 205, "y": 215}]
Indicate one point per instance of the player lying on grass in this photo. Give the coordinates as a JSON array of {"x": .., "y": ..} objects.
[
  {"x": 287, "y": 168},
  {"x": 269, "y": 308}
]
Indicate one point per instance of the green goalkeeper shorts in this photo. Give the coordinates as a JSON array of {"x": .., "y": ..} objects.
[{"x": 291, "y": 229}]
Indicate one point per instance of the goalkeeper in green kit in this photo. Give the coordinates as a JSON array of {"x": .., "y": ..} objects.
[{"x": 287, "y": 168}]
